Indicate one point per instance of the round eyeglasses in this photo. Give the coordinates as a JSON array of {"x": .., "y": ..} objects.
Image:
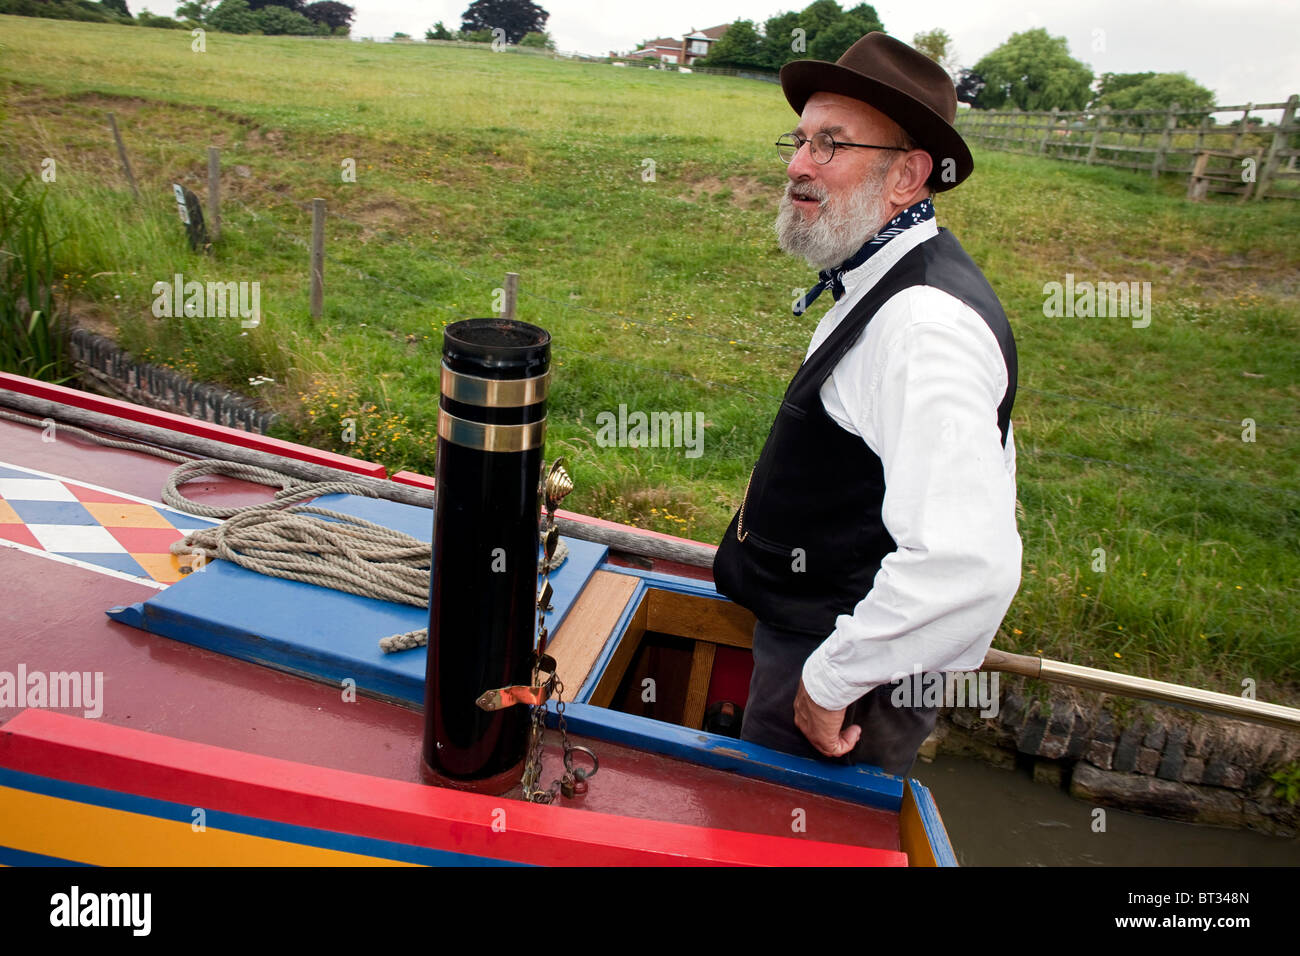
[{"x": 821, "y": 145}]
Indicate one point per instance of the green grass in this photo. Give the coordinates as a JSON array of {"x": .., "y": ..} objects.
[
  {"x": 671, "y": 295},
  {"x": 31, "y": 333}
]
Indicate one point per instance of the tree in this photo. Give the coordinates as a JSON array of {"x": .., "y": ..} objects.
[
  {"x": 778, "y": 40},
  {"x": 1110, "y": 83},
  {"x": 937, "y": 45},
  {"x": 515, "y": 17},
  {"x": 439, "y": 32},
  {"x": 281, "y": 21},
  {"x": 1154, "y": 91},
  {"x": 740, "y": 48},
  {"x": 1034, "y": 71},
  {"x": 197, "y": 10},
  {"x": 233, "y": 16},
  {"x": 335, "y": 15},
  {"x": 540, "y": 41},
  {"x": 147, "y": 19},
  {"x": 819, "y": 15},
  {"x": 827, "y": 31},
  {"x": 837, "y": 36},
  {"x": 969, "y": 86},
  {"x": 117, "y": 6}
]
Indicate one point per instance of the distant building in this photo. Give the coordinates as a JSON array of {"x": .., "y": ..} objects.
[{"x": 693, "y": 46}]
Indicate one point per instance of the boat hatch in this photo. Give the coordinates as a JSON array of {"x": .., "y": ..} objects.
[{"x": 682, "y": 657}]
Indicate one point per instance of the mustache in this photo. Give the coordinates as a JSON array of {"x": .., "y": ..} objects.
[{"x": 820, "y": 193}]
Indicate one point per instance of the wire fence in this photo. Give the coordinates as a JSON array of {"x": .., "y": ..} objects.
[
  {"x": 1032, "y": 451},
  {"x": 426, "y": 298},
  {"x": 491, "y": 281}
]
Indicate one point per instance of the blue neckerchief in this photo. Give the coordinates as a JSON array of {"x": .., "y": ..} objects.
[{"x": 832, "y": 278}]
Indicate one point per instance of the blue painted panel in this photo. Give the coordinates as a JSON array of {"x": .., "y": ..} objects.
[
  {"x": 670, "y": 582},
  {"x": 319, "y": 632},
  {"x": 11, "y": 857},
  {"x": 862, "y": 783},
  {"x": 241, "y": 823},
  {"x": 934, "y": 828}
]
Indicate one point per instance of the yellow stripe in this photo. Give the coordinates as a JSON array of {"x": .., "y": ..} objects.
[
  {"x": 101, "y": 836},
  {"x": 912, "y": 838}
]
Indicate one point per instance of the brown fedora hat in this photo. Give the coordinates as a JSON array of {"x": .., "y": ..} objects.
[{"x": 904, "y": 84}]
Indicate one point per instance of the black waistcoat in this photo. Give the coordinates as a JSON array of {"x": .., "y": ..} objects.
[{"x": 813, "y": 538}]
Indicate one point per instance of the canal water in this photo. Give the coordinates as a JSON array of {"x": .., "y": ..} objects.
[{"x": 997, "y": 817}]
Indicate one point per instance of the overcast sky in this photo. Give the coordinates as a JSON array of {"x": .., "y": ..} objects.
[{"x": 1243, "y": 50}]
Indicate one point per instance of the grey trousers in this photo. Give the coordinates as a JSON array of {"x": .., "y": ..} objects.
[{"x": 890, "y": 734}]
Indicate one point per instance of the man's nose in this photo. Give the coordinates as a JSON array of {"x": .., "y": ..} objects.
[{"x": 802, "y": 167}]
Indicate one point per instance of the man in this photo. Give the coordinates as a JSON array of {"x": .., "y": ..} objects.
[{"x": 877, "y": 537}]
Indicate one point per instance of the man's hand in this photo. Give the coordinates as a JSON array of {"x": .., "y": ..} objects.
[{"x": 822, "y": 726}]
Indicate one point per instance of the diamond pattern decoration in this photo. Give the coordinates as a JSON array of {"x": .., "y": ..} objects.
[{"x": 91, "y": 525}]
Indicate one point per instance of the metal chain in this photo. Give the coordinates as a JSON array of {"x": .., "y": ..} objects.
[{"x": 574, "y": 781}]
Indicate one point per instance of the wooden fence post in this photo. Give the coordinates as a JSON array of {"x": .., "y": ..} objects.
[
  {"x": 1241, "y": 128},
  {"x": 214, "y": 193},
  {"x": 1285, "y": 127},
  {"x": 121, "y": 153},
  {"x": 1197, "y": 186},
  {"x": 1096, "y": 134},
  {"x": 1047, "y": 133},
  {"x": 317, "y": 257},
  {"x": 1249, "y": 191},
  {"x": 1171, "y": 120},
  {"x": 512, "y": 294}
]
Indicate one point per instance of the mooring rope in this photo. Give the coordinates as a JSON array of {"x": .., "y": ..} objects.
[
  {"x": 284, "y": 538},
  {"x": 341, "y": 552}
]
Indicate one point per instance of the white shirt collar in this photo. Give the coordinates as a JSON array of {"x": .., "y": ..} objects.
[
  {"x": 859, "y": 281},
  {"x": 869, "y": 273}
]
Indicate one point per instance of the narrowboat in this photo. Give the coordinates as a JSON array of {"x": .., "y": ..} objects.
[{"x": 157, "y": 709}]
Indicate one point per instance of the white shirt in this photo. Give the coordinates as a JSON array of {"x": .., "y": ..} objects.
[{"x": 921, "y": 387}]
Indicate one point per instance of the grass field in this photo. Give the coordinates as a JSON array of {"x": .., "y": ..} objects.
[{"x": 668, "y": 293}]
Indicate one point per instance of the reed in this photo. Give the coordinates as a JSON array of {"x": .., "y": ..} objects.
[{"x": 31, "y": 331}]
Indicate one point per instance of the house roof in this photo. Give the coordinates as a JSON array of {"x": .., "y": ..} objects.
[{"x": 712, "y": 33}]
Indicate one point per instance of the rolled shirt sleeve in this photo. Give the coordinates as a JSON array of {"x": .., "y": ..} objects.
[{"x": 922, "y": 387}]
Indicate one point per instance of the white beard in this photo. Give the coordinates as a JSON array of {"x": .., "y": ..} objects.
[{"x": 839, "y": 229}]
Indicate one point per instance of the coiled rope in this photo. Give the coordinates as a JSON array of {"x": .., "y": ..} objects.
[{"x": 284, "y": 538}]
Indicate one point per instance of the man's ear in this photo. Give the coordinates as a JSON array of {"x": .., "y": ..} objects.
[{"x": 916, "y": 167}]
